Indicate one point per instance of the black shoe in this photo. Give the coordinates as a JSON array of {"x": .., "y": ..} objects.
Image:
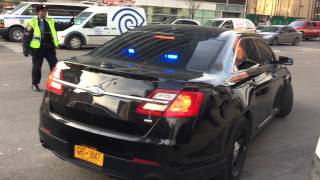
[{"x": 36, "y": 88}]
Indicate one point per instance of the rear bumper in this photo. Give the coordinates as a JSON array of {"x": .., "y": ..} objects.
[
  {"x": 119, "y": 165},
  {"x": 4, "y": 31}
]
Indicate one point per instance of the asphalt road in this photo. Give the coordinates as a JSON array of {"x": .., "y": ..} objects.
[{"x": 282, "y": 151}]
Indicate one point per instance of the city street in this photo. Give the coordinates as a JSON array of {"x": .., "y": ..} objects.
[{"x": 282, "y": 151}]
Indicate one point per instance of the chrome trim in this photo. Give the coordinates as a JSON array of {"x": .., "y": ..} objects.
[{"x": 102, "y": 92}]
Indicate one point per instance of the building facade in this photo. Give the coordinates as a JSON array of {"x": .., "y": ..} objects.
[
  {"x": 283, "y": 8},
  {"x": 158, "y": 10}
]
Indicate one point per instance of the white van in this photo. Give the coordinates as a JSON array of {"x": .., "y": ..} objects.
[
  {"x": 97, "y": 25},
  {"x": 237, "y": 24},
  {"x": 12, "y": 23}
]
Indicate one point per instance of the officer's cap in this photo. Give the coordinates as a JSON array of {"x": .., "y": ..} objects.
[{"x": 41, "y": 7}]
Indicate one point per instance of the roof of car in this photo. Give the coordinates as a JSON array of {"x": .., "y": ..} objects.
[
  {"x": 184, "y": 29},
  {"x": 168, "y": 28},
  {"x": 56, "y": 3}
]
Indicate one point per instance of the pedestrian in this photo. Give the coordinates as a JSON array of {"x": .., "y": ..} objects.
[{"x": 40, "y": 40}]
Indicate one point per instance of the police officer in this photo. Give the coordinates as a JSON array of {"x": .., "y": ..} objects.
[{"x": 40, "y": 40}]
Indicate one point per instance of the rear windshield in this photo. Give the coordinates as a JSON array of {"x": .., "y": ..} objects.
[
  {"x": 176, "y": 52},
  {"x": 270, "y": 29},
  {"x": 297, "y": 23}
]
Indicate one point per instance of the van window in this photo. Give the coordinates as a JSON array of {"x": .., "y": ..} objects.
[
  {"x": 31, "y": 10},
  {"x": 228, "y": 25},
  {"x": 81, "y": 17},
  {"x": 99, "y": 20},
  {"x": 62, "y": 10}
]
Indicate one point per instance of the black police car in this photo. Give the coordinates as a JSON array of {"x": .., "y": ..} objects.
[{"x": 165, "y": 102}]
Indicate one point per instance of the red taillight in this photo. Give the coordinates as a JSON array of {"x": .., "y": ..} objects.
[
  {"x": 165, "y": 37},
  {"x": 182, "y": 104},
  {"x": 52, "y": 84},
  {"x": 145, "y": 162}
]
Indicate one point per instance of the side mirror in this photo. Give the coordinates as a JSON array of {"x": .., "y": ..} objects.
[{"x": 285, "y": 60}]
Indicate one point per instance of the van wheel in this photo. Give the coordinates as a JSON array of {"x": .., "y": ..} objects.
[
  {"x": 236, "y": 152},
  {"x": 15, "y": 34},
  {"x": 287, "y": 100},
  {"x": 75, "y": 42},
  {"x": 296, "y": 42}
]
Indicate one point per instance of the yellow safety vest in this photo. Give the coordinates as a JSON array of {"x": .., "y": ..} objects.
[{"x": 36, "y": 40}]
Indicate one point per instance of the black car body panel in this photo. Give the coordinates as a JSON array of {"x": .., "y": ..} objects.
[{"x": 172, "y": 148}]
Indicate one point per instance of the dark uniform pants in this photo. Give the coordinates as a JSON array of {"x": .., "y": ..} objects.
[{"x": 37, "y": 59}]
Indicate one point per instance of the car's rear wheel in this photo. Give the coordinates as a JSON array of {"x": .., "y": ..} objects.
[
  {"x": 236, "y": 153},
  {"x": 286, "y": 103},
  {"x": 296, "y": 42},
  {"x": 15, "y": 34},
  {"x": 75, "y": 42}
]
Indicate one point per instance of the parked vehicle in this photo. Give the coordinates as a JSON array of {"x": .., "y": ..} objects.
[
  {"x": 165, "y": 102},
  {"x": 275, "y": 35},
  {"x": 309, "y": 29},
  {"x": 183, "y": 21},
  {"x": 259, "y": 28},
  {"x": 237, "y": 24},
  {"x": 12, "y": 23},
  {"x": 315, "y": 172},
  {"x": 97, "y": 25}
]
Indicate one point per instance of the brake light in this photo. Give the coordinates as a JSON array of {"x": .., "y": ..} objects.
[
  {"x": 145, "y": 162},
  {"x": 1, "y": 23},
  {"x": 52, "y": 84},
  {"x": 165, "y": 37},
  {"x": 182, "y": 104}
]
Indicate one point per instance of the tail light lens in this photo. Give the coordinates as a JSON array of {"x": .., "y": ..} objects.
[
  {"x": 52, "y": 85},
  {"x": 182, "y": 104}
]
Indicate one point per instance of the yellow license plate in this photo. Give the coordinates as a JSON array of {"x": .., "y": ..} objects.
[{"x": 88, "y": 154}]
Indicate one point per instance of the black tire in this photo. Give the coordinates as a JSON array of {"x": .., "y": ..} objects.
[
  {"x": 296, "y": 41},
  {"x": 75, "y": 42},
  {"x": 15, "y": 34},
  {"x": 286, "y": 103},
  {"x": 236, "y": 152},
  {"x": 275, "y": 42}
]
